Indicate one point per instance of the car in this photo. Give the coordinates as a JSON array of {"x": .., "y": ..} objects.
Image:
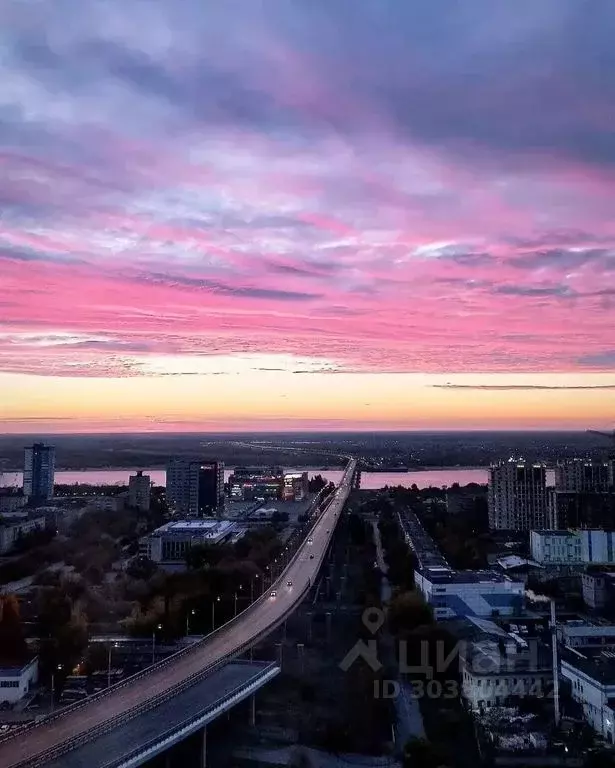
[
  {"x": 311, "y": 557},
  {"x": 310, "y": 540},
  {"x": 273, "y": 593},
  {"x": 289, "y": 583},
  {"x": 327, "y": 530}
]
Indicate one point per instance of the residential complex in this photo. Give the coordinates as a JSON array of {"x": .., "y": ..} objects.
[
  {"x": 139, "y": 490},
  {"x": 39, "y": 470},
  {"x": 517, "y": 496},
  {"x": 580, "y": 509},
  {"x": 195, "y": 488},
  {"x": 584, "y": 475}
]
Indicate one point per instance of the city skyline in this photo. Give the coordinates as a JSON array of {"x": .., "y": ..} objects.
[{"x": 299, "y": 216}]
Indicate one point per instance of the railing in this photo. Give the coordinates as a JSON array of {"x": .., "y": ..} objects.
[
  {"x": 161, "y": 737},
  {"x": 154, "y": 701}
]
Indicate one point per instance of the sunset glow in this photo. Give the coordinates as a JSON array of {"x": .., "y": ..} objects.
[{"x": 339, "y": 215}]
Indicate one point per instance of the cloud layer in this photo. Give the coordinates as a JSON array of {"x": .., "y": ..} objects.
[{"x": 375, "y": 186}]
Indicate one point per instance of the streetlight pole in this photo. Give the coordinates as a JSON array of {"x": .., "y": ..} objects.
[
  {"x": 53, "y": 687},
  {"x": 154, "y": 643},
  {"x": 213, "y": 612},
  {"x": 188, "y": 615},
  {"x": 109, "y": 666}
]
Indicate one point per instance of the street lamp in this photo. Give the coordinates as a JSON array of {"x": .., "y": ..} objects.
[
  {"x": 188, "y": 615},
  {"x": 53, "y": 686},
  {"x": 256, "y": 575},
  {"x": 213, "y": 612},
  {"x": 158, "y": 627},
  {"x": 115, "y": 645}
]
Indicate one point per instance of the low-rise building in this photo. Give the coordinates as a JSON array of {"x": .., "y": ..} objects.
[
  {"x": 573, "y": 547},
  {"x": 582, "y": 634},
  {"x": 496, "y": 672},
  {"x": 555, "y": 548},
  {"x": 12, "y": 532},
  {"x": 598, "y": 588},
  {"x": 169, "y": 544},
  {"x": 107, "y": 503},
  {"x": 454, "y": 593},
  {"x": 519, "y": 568},
  {"x": 17, "y": 679},
  {"x": 11, "y": 499},
  {"x": 296, "y": 486},
  {"x": 591, "y": 674}
]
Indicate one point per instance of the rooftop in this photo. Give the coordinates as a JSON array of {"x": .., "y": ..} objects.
[
  {"x": 510, "y": 562},
  {"x": 200, "y": 526},
  {"x": 597, "y": 663},
  {"x": 447, "y": 575}
]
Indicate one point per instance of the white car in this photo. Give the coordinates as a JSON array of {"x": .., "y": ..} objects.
[
  {"x": 273, "y": 593},
  {"x": 310, "y": 540}
]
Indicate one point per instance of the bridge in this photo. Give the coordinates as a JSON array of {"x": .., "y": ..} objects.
[{"x": 54, "y": 737}]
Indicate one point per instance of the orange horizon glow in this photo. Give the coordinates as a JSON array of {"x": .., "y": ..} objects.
[{"x": 309, "y": 402}]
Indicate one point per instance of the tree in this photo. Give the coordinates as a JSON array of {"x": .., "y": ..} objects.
[
  {"x": 420, "y": 753},
  {"x": 317, "y": 483},
  {"x": 602, "y": 759},
  {"x": 12, "y": 638},
  {"x": 407, "y": 611}
]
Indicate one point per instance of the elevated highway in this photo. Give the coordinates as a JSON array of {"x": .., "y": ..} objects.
[{"x": 59, "y": 734}]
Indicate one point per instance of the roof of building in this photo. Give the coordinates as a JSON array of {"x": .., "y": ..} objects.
[
  {"x": 596, "y": 663},
  {"x": 447, "y": 575},
  {"x": 512, "y": 562},
  {"x": 197, "y": 527}
]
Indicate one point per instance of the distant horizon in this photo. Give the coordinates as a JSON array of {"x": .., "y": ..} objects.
[{"x": 223, "y": 433}]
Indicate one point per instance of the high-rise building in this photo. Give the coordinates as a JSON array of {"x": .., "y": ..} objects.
[
  {"x": 517, "y": 496},
  {"x": 38, "y": 473},
  {"x": 580, "y": 509},
  {"x": 139, "y": 490},
  {"x": 210, "y": 499},
  {"x": 195, "y": 488},
  {"x": 583, "y": 475}
]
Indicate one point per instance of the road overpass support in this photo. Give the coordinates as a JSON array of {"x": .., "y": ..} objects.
[{"x": 204, "y": 748}]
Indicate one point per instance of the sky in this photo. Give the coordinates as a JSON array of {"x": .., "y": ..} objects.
[{"x": 306, "y": 214}]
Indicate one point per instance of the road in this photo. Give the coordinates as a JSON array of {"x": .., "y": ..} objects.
[
  {"x": 254, "y": 621},
  {"x": 171, "y": 715}
]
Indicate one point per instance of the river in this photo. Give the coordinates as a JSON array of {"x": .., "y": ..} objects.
[{"x": 424, "y": 478}]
